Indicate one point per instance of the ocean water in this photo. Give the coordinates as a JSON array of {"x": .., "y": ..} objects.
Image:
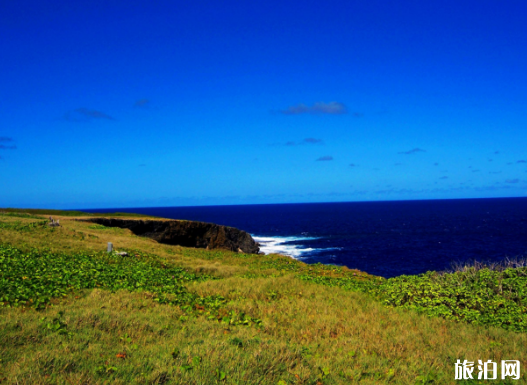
[{"x": 382, "y": 238}]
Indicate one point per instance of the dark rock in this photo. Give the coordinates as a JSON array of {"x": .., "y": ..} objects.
[{"x": 187, "y": 233}]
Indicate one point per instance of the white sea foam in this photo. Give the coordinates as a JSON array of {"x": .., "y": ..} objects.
[{"x": 283, "y": 245}]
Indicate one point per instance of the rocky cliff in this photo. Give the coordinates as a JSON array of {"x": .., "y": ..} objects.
[{"x": 187, "y": 233}]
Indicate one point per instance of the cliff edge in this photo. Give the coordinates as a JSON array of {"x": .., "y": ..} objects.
[{"x": 187, "y": 233}]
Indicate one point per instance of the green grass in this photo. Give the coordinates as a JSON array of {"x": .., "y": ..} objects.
[
  {"x": 100, "y": 227},
  {"x": 72, "y": 313}
]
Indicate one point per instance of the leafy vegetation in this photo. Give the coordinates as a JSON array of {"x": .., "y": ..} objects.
[
  {"x": 483, "y": 297},
  {"x": 34, "y": 278}
]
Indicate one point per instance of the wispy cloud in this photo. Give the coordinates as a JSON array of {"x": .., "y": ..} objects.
[
  {"x": 324, "y": 158},
  {"x": 354, "y": 165},
  {"x": 436, "y": 164},
  {"x": 443, "y": 189},
  {"x": 84, "y": 114},
  {"x": 444, "y": 177},
  {"x": 412, "y": 151},
  {"x": 332, "y": 108},
  {"x": 512, "y": 181},
  {"x": 399, "y": 191},
  {"x": 142, "y": 103},
  {"x": 522, "y": 161},
  {"x": 305, "y": 141},
  {"x": 312, "y": 141},
  {"x": 10, "y": 146}
]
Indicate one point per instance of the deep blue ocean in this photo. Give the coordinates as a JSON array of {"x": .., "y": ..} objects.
[{"x": 381, "y": 238}]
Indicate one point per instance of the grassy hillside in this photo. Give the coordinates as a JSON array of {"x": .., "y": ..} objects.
[{"x": 72, "y": 314}]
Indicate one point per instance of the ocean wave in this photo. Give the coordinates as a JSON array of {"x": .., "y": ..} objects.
[{"x": 291, "y": 246}]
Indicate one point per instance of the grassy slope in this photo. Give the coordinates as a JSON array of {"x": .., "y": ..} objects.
[{"x": 309, "y": 333}]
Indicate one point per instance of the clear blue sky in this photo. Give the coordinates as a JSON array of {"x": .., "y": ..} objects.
[{"x": 158, "y": 103}]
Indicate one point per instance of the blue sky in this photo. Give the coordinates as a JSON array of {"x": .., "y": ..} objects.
[{"x": 136, "y": 103}]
